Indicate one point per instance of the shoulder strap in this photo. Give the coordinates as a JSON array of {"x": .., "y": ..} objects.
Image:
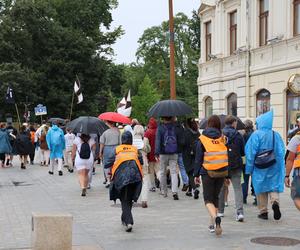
[{"x": 273, "y": 139}]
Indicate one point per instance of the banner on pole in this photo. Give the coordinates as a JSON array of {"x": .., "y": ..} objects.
[{"x": 40, "y": 110}]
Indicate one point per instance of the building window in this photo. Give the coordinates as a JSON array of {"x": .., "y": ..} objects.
[
  {"x": 232, "y": 104},
  {"x": 296, "y": 17},
  {"x": 208, "y": 40},
  {"x": 208, "y": 106},
  {"x": 263, "y": 102},
  {"x": 263, "y": 22},
  {"x": 233, "y": 31},
  {"x": 293, "y": 111}
]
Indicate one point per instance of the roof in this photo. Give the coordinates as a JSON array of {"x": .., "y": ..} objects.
[{"x": 205, "y": 4}]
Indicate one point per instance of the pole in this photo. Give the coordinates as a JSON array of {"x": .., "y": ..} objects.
[
  {"x": 16, "y": 106},
  {"x": 41, "y": 119},
  {"x": 172, "y": 52},
  {"x": 72, "y": 106}
]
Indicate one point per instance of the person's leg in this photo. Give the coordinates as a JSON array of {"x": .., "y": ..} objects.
[
  {"x": 238, "y": 192},
  {"x": 69, "y": 160},
  {"x": 245, "y": 187},
  {"x": 274, "y": 199},
  {"x": 151, "y": 175},
  {"x": 262, "y": 203},
  {"x": 163, "y": 174},
  {"x": 295, "y": 190},
  {"x": 51, "y": 166},
  {"x": 145, "y": 190},
  {"x": 184, "y": 176},
  {"x": 221, "y": 204},
  {"x": 60, "y": 165},
  {"x": 126, "y": 203},
  {"x": 47, "y": 157},
  {"x": 65, "y": 153},
  {"x": 173, "y": 159},
  {"x": 90, "y": 176}
]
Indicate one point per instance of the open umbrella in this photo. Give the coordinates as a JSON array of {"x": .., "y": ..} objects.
[
  {"x": 57, "y": 120},
  {"x": 87, "y": 125},
  {"x": 169, "y": 108},
  {"x": 114, "y": 117},
  {"x": 240, "y": 124}
]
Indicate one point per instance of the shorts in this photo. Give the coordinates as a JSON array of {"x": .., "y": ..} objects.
[
  {"x": 295, "y": 188},
  {"x": 211, "y": 189}
]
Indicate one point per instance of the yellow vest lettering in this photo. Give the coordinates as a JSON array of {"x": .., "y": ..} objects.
[{"x": 216, "y": 155}]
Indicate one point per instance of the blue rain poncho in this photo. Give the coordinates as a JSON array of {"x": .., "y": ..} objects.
[
  {"x": 270, "y": 179},
  {"x": 56, "y": 142}
]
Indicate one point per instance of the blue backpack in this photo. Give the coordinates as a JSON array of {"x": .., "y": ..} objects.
[{"x": 170, "y": 140}]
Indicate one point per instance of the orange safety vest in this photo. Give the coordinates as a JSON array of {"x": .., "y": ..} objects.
[
  {"x": 126, "y": 153},
  {"x": 216, "y": 155},
  {"x": 297, "y": 159}
]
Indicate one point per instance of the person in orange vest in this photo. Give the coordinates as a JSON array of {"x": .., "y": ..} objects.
[
  {"x": 32, "y": 138},
  {"x": 212, "y": 164},
  {"x": 293, "y": 162},
  {"x": 126, "y": 178}
]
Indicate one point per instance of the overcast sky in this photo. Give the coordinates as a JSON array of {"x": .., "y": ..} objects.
[{"x": 137, "y": 15}]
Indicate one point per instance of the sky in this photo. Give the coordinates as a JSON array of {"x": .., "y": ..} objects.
[{"x": 137, "y": 15}]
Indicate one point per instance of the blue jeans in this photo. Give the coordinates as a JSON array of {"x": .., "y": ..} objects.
[{"x": 184, "y": 176}]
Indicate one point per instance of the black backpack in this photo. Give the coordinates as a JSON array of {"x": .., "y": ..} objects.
[
  {"x": 234, "y": 156},
  {"x": 85, "y": 151}
]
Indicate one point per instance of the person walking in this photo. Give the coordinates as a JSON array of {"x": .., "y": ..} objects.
[
  {"x": 32, "y": 138},
  {"x": 191, "y": 135},
  {"x": 45, "y": 152},
  {"x": 69, "y": 138},
  {"x": 24, "y": 146},
  {"x": 236, "y": 145},
  {"x": 143, "y": 146},
  {"x": 83, "y": 152},
  {"x": 5, "y": 146},
  {"x": 109, "y": 140},
  {"x": 153, "y": 166},
  {"x": 13, "y": 132},
  {"x": 126, "y": 177},
  {"x": 265, "y": 163},
  {"x": 293, "y": 162},
  {"x": 212, "y": 164},
  {"x": 56, "y": 144},
  {"x": 166, "y": 152}
]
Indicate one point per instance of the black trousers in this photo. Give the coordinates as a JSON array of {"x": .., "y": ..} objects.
[
  {"x": 211, "y": 189},
  {"x": 127, "y": 194},
  {"x": 192, "y": 184}
]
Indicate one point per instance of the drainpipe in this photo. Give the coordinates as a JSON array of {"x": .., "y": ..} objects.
[{"x": 247, "y": 92}]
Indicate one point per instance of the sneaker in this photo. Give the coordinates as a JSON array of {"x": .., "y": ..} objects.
[
  {"x": 277, "y": 213},
  {"x": 107, "y": 185},
  {"x": 128, "y": 228},
  {"x": 221, "y": 215},
  {"x": 185, "y": 188},
  {"x": 70, "y": 170},
  {"x": 218, "y": 229},
  {"x": 89, "y": 186},
  {"x": 211, "y": 228},
  {"x": 165, "y": 195},
  {"x": 175, "y": 197},
  {"x": 153, "y": 189},
  {"x": 240, "y": 217},
  {"x": 189, "y": 194},
  {"x": 104, "y": 182},
  {"x": 144, "y": 204},
  {"x": 23, "y": 166},
  {"x": 60, "y": 173},
  {"x": 196, "y": 194},
  {"x": 42, "y": 163},
  {"x": 31, "y": 163},
  {"x": 263, "y": 216},
  {"x": 254, "y": 202},
  {"x": 50, "y": 172},
  {"x": 83, "y": 193}
]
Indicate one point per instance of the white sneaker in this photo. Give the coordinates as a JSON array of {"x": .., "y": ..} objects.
[
  {"x": 240, "y": 218},
  {"x": 128, "y": 228},
  {"x": 211, "y": 228},
  {"x": 220, "y": 215}
]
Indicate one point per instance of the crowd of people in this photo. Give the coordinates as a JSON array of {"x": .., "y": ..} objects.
[{"x": 139, "y": 159}]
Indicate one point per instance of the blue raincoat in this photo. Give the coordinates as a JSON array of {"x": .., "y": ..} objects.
[
  {"x": 270, "y": 179},
  {"x": 56, "y": 142}
]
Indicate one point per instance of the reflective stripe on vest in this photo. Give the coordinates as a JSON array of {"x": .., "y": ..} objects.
[
  {"x": 216, "y": 155},
  {"x": 126, "y": 153},
  {"x": 297, "y": 159}
]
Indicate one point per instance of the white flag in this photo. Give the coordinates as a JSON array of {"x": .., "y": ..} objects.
[{"x": 78, "y": 91}]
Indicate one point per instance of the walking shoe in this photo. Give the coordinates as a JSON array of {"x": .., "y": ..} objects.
[
  {"x": 196, "y": 194},
  {"x": 211, "y": 228},
  {"x": 42, "y": 163},
  {"x": 66, "y": 166},
  {"x": 245, "y": 201},
  {"x": 153, "y": 189},
  {"x": 105, "y": 181},
  {"x": 175, "y": 197},
  {"x": 31, "y": 163},
  {"x": 50, "y": 172},
  {"x": 60, "y": 173},
  {"x": 89, "y": 186},
  {"x": 23, "y": 166},
  {"x": 254, "y": 202},
  {"x": 185, "y": 188},
  {"x": 189, "y": 194},
  {"x": 240, "y": 217},
  {"x": 83, "y": 193},
  {"x": 128, "y": 228},
  {"x": 263, "y": 216},
  {"x": 277, "y": 213},
  {"x": 144, "y": 204},
  {"x": 220, "y": 215},
  {"x": 70, "y": 170},
  {"x": 218, "y": 229},
  {"x": 165, "y": 195}
]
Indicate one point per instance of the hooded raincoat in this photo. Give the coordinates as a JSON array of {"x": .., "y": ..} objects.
[
  {"x": 56, "y": 146},
  {"x": 5, "y": 146},
  {"x": 270, "y": 179}
]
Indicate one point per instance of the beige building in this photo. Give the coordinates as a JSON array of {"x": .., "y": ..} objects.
[{"x": 250, "y": 58}]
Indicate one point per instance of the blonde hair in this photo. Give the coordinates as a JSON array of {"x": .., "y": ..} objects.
[{"x": 139, "y": 130}]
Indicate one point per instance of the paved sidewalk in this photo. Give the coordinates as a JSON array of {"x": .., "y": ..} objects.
[{"x": 166, "y": 224}]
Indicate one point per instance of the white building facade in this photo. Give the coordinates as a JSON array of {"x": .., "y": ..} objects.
[{"x": 250, "y": 59}]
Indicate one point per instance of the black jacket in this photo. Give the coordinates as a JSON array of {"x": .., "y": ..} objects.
[{"x": 189, "y": 149}]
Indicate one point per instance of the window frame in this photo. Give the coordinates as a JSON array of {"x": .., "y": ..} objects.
[
  {"x": 230, "y": 105},
  {"x": 263, "y": 21},
  {"x": 296, "y": 16},
  {"x": 208, "y": 40},
  {"x": 232, "y": 30},
  {"x": 208, "y": 98}
]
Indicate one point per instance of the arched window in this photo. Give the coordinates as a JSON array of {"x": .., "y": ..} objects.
[
  {"x": 263, "y": 98},
  {"x": 232, "y": 104},
  {"x": 208, "y": 106}
]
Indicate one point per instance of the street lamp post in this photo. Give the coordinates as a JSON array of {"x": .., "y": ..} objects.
[{"x": 172, "y": 52}]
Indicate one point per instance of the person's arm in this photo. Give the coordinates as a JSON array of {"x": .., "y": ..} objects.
[
  {"x": 157, "y": 142},
  {"x": 74, "y": 149},
  {"x": 251, "y": 151},
  {"x": 102, "y": 143},
  {"x": 288, "y": 168},
  {"x": 198, "y": 162},
  {"x": 242, "y": 145}
]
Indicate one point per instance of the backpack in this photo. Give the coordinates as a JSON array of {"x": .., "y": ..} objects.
[
  {"x": 170, "y": 140},
  {"x": 234, "y": 157},
  {"x": 85, "y": 151},
  {"x": 56, "y": 137}
]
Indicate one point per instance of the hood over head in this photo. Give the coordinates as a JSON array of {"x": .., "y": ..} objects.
[
  {"x": 152, "y": 123},
  {"x": 127, "y": 138},
  {"x": 265, "y": 121},
  {"x": 212, "y": 133}
]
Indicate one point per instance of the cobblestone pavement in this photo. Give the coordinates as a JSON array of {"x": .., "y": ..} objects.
[{"x": 166, "y": 224}]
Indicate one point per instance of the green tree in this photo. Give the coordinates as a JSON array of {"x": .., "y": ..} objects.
[{"x": 145, "y": 98}]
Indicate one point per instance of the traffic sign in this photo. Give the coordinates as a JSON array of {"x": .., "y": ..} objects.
[{"x": 40, "y": 110}]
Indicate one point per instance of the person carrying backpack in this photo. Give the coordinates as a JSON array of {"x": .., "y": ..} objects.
[
  {"x": 235, "y": 145},
  {"x": 83, "y": 152},
  {"x": 56, "y": 144},
  {"x": 166, "y": 151}
]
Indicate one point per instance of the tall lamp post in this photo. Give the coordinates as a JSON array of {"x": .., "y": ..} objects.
[{"x": 172, "y": 52}]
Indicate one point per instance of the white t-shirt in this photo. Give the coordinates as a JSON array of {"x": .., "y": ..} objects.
[
  {"x": 69, "y": 138},
  {"x": 293, "y": 144},
  {"x": 83, "y": 163}
]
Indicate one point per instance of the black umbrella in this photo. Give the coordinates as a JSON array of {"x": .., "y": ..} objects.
[
  {"x": 87, "y": 125},
  {"x": 57, "y": 120},
  {"x": 169, "y": 108},
  {"x": 240, "y": 124}
]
